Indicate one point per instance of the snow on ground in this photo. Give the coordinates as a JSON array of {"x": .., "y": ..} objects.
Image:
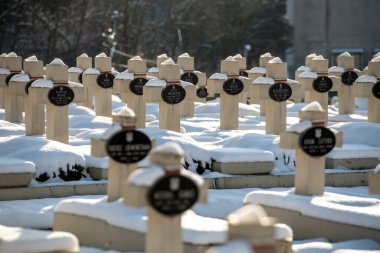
[
  {"x": 33, "y": 213},
  {"x": 202, "y": 141},
  {"x": 346, "y": 205},
  {"x": 38, "y": 213}
]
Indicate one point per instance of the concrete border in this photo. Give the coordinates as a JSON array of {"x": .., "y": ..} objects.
[
  {"x": 53, "y": 191},
  {"x": 305, "y": 227},
  {"x": 353, "y": 163},
  {"x": 243, "y": 168},
  {"x": 347, "y": 179},
  {"x": 99, "y": 234},
  {"x": 15, "y": 179}
]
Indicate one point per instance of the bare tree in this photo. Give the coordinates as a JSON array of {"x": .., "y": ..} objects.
[{"x": 210, "y": 30}]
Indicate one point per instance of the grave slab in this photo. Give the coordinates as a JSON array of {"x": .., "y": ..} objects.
[
  {"x": 337, "y": 215},
  {"x": 15, "y": 172},
  {"x": 15, "y": 239}
]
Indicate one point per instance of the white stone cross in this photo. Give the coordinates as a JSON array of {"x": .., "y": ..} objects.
[
  {"x": 312, "y": 141},
  {"x": 229, "y": 85},
  {"x": 167, "y": 190}
]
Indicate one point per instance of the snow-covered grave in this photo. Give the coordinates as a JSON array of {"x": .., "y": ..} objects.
[
  {"x": 255, "y": 73},
  {"x": 23, "y": 240},
  {"x": 83, "y": 62},
  {"x": 57, "y": 93},
  {"x": 346, "y": 74},
  {"x": 275, "y": 88},
  {"x": 169, "y": 92},
  {"x": 230, "y": 86},
  {"x": 197, "y": 78},
  {"x": 121, "y": 224},
  {"x": 339, "y": 214},
  {"x": 204, "y": 143},
  {"x": 16, "y": 172},
  {"x": 129, "y": 85}
]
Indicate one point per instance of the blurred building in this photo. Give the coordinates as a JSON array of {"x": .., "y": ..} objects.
[{"x": 330, "y": 27}]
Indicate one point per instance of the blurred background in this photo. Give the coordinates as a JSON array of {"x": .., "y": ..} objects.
[{"x": 208, "y": 30}]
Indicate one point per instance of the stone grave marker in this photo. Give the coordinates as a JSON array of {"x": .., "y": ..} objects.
[
  {"x": 126, "y": 147},
  {"x": 312, "y": 141},
  {"x": 257, "y": 72},
  {"x": 197, "y": 78},
  {"x": 169, "y": 91},
  {"x": 346, "y": 74},
  {"x": 363, "y": 72},
  {"x": 302, "y": 69},
  {"x": 317, "y": 83},
  {"x": 19, "y": 88},
  {"x": 99, "y": 84},
  {"x": 275, "y": 89},
  {"x": 167, "y": 190},
  {"x": 83, "y": 62},
  {"x": 103, "y": 89},
  {"x": 244, "y": 96},
  {"x": 229, "y": 86},
  {"x": 3, "y": 72},
  {"x": 129, "y": 84},
  {"x": 34, "y": 112},
  {"x": 368, "y": 86},
  {"x": 251, "y": 224},
  {"x": 13, "y": 101},
  {"x": 56, "y": 93},
  {"x": 155, "y": 70}
]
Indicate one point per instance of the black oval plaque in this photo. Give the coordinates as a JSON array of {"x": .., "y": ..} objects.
[
  {"x": 243, "y": 73},
  {"x": 233, "y": 86},
  {"x": 80, "y": 77},
  {"x": 376, "y": 90},
  {"x": 8, "y": 78},
  {"x": 173, "y": 194},
  {"x": 61, "y": 95},
  {"x": 128, "y": 146},
  {"x": 280, "y": 92},
  {"x": 322, "y": 84},
  {"x": 317, "y": 141},
  {"x": 173, "y": 94},
  {"x": 202, "y": 92},
  {"x": 137, "y": 84},
  {"x": 105, "y": 80},
  {"x": 28, "y": 85},
  {"x": 189, "y": 77},
  {"x": 349, "y": 77}
]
